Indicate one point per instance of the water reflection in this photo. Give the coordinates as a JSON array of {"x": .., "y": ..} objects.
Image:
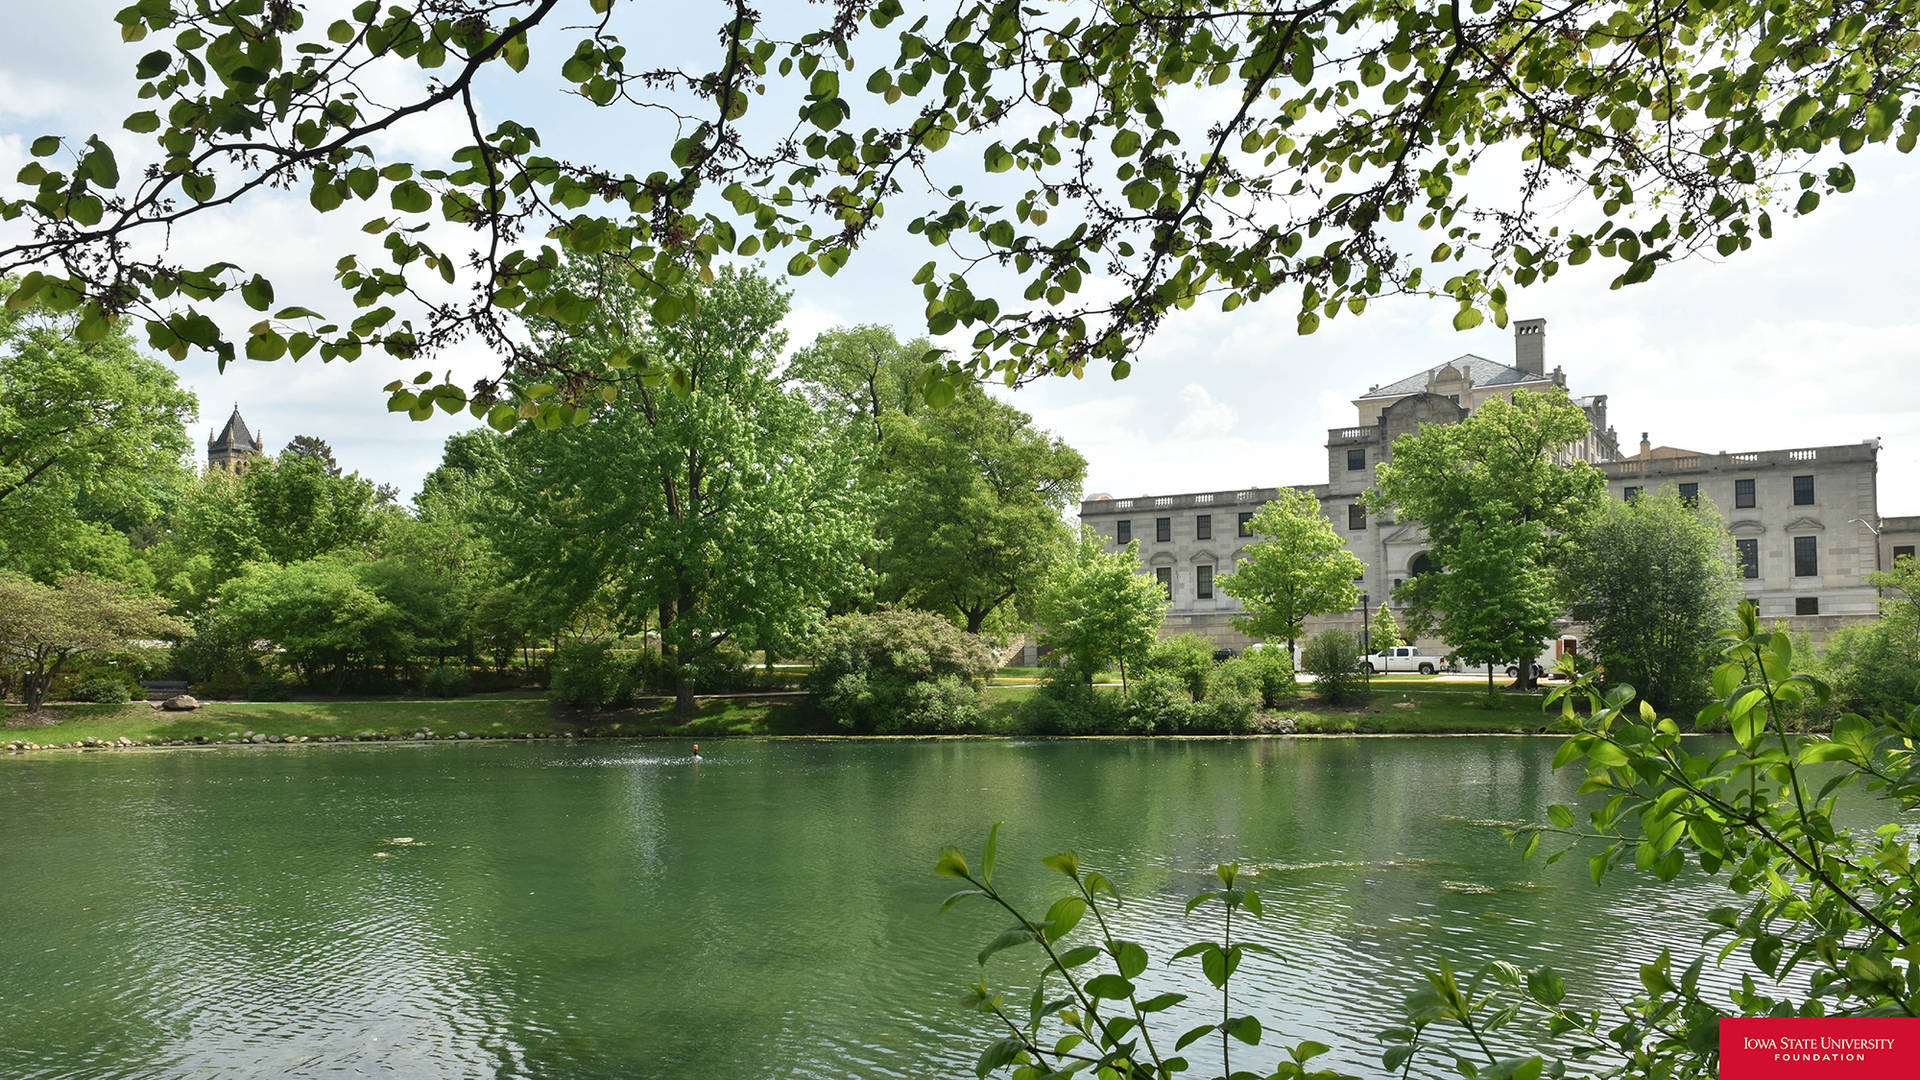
[{"x": 620, "y": 911}]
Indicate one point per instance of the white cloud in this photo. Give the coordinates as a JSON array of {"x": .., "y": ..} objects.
[{"x": 1202, "y": 415}]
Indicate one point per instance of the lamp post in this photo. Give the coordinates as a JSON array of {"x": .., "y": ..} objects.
[{"x": 1366, "y": 628}]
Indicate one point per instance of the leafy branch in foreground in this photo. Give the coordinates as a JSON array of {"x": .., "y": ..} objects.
[
  {"x": 1809, "y": 894},
  {"x": 1319, "y": 149}
]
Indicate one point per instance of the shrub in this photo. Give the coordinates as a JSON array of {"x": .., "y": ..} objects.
[
  {"x": 1265, "y": 675},
  {"x": 721, "y": 671},
  {"x": 1873, "y": 668},
  {"x": 584, "y": 675},
  {"x": 1158, "y": 702},
  {"x": 1188, "y": 658},
  {"x": 446, "y": 682},
  {"x": 269, "y": 688},
  {"x": 223, "y": 686},
  {"x": 1333, "y": 659},
  {"x": 1228, "y": 710},
  {"x": 898, "y": 671},
  {"x": 101, "y": 689},
  {"x": 1070, "y": 707}
]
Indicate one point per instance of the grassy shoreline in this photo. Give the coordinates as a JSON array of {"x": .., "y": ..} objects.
[{"x": 1393, "y": 711}]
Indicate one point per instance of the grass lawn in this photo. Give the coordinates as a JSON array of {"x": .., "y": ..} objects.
[
  {"x": 1422, "y": 706},
  {"x": 492, "y": 717}
]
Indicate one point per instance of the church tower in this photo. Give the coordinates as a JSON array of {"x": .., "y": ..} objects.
[{"x": 234, "y": 446}]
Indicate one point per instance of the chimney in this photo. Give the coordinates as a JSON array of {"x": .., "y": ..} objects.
[
  {"x": 1646, "y": 445},
  {"x": 1530, "y": 345}
]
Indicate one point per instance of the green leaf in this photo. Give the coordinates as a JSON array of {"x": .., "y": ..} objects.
[
  {"x": 1193, "y": 1035},
  {"x": 410, "y": 198},
  {"x": 46, "y": 145},
  {"x": 1064, "y": 915},
  {"x": 1244, "y": 1028},
  {"x": 1132, "y": 960},
  {"x": 952, "y": 863},
  {"x": 1110, "y": 986},
  {"x": 1066, "y": 863},
  {"x": 1009, "y": 938},
  {"x": 998, "y": 1054},
  {"x": 258, "y": 293}
]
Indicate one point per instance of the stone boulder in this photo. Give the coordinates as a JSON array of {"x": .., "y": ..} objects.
[{"x": 180, "y": 703}]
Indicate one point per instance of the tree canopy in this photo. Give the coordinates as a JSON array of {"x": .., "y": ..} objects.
[
  {"x": 1499, "y": 502},
  {"x": 1653, "y": 578},
  {"x": 1298, "y": 568},
  {"x": 1097, "y": 609},
  {"x": 43, "y": 627},
  {"x": 972, "y": 506},
  {"x": 1327, "y": 150},
  {"x": 723, "y": 516},
  {"x": 92, "y": 441}
]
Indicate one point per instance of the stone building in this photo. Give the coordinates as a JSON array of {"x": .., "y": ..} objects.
[
  {"x": 1805, "y": 521},
  {"x": 234, "y": 446}
]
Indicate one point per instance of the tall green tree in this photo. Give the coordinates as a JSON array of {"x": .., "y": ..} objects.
[
  {"x": 1322, "y": 150},
  {"x": 1298, "y": 568},
  {"x": 322, "y": 614},
  {"x": 972, "y": 508},
  {"x": 44, "y": 627},
  {"x": 312, "y": 446},
  {"x": 282, "y": 511},
  {"x": 859, "y": 375},
  {"x": 1653, "y": 579},
  {"x": 717, "y": 506},
  {"x": 92, "y": 439},
  {"x": 1500, "y": 502},
  {"x": 1097, "y": 610},
  {"x": 1386, "y": 629}
]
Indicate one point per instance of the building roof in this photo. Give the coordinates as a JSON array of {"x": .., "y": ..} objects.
[
  {"x": 1661, "y": 453},
  {"x": 235, "y": 435},
  {"x": 1480, "y": 371}
]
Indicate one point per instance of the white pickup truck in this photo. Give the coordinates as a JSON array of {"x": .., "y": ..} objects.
[{"x": 1403, "y": 658}]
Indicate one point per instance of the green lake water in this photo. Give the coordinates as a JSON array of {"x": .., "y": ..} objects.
[{"x": 616, "y": 910}]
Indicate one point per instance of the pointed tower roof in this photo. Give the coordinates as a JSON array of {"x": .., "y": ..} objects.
[{"x": 235, "y": 435}]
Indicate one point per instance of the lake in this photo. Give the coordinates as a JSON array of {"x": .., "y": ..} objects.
[{"x": 618, "y": 910}]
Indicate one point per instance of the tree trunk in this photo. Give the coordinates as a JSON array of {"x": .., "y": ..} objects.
[{"x": 33, "y": 690}]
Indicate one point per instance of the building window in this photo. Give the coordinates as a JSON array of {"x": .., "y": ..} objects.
[
  {"x": 1743, "y": 495},
  {"x": 1903, "y": 551},
  {"x": 1748, "y": 556},
  {"x": 1356, "y": 460},
  {"x": 1203, "y": 527},
  {"x": 1806, "y": 556},
  {"x": 1246, "y": 524},
  {"x": 1163, "y": 529},
  {"x": 1690, "y": 494},
  {"x": 1164, "y": 575},
  {"x": 1803, "y": 491},
  {"x": 1123, "y": 532},
  {"x": 1630, "y": 494},
  {"x": 1203, "y": 582},
  {"x": 1455, "y": 398},
  {"x": 1806, "y": 605},
  {"x": 1356, "y": 517}
]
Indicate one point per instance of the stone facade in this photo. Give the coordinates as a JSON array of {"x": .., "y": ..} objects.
[
  {"x": 1811, "y": 549},
  {"x": 234, "y": 445}
]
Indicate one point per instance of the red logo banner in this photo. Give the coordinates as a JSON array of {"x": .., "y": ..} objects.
[{"x": 1819, "y": 1048}]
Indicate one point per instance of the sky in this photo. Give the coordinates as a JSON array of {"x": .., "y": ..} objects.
[{"x": 1809, "y": 339}]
